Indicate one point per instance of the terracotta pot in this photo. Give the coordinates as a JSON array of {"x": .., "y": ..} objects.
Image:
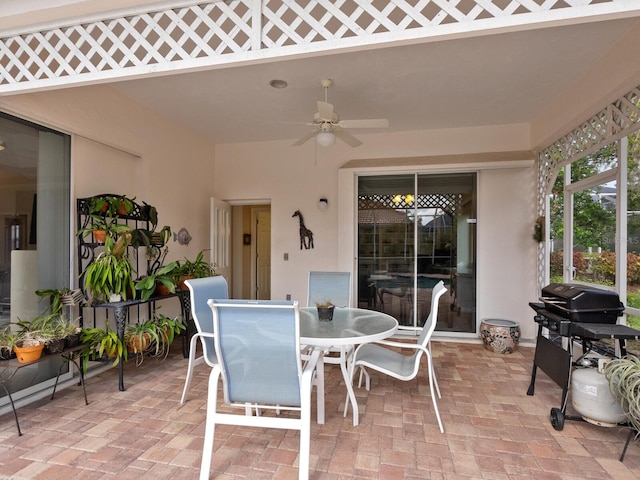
[
  {"x": 100, "y": 236},
  {"x": 162, "y": 289},
  {"x": 28, "y": 354},
  {"x": 138, "y": 343},
  {"x": 182, "y": 279}
]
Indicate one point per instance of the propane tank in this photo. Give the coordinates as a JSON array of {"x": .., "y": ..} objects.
[{"x": 591, "y": 398}]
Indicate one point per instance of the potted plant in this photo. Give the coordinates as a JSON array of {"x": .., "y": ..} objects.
[
  {"x": 29, "y": 346},
  {"x": 60, "y": 297},
  {"x": 197, "y": 268},
  {"x": 46, "y": 328},
  {"x": 167, "y": 329},
  {"x": 102, "y": 342},
  {"x": 165, "y": 277},
  {"x": 139, "y": 337},
  {"x": 111, "y": 205},
  {"x": 8, "y": 339},
  {"x": 109, "y": 278},
  {"x": 325, "y": 310}
]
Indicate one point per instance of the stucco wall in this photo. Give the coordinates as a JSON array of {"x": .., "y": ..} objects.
[
  {"x": 174, "y": 170},
  {"x": 120, "y": 147},
  {"x": 506, "y": 279},
  {"x": 295, "y": 178}
]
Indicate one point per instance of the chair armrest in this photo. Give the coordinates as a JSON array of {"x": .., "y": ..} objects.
[
  {"x": 389, "y": 343},
  {"x": 311, "y": 363},
  {"x": 203, "y": 335}
]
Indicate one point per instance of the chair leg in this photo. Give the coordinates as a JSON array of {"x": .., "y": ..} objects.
[
  {"x": 367, "y": 383},
  {"x": 305, "y": 438},
  {"x": 319, "y": 381},
  {"x": 347, "y": 376},
  {"x": 192, "y": 363},
  {"x": 210, "y": 425},
  {"x": 431, "y": 387},
  {"x": 433, "y": 373}
]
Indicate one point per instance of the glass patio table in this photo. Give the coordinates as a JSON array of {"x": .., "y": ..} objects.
[{"x": 349, "y": 327}]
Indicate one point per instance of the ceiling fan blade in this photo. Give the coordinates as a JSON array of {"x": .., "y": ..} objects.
[
  {"x": 304, "y": 139},
  {"x": 346, "y": 137},
  {"x": 369, "y": 123},
  {"x": 325, "y": 111}
]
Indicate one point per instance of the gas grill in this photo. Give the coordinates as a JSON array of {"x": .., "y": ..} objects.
[{"x": 577, "y": 313}]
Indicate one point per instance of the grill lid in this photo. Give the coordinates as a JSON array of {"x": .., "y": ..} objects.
[{"x": 572, "y": 298}]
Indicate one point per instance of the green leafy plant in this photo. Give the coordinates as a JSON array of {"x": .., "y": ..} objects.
[
  {"x": 102, "y": 342},
  {"x": 8, "y": 340},
  {"x": 324, "y": 304},
  {"x": 138, "y": 337},
  {"x": 60, "y": 297},
  {"x": 107, "y": 275},
  {"x": 167, "y": 329},
  {"x": 197, "y": 268},
  {"x": 165, "y": 275}
]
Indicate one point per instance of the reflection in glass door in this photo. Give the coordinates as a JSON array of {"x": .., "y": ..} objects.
[{"x": 413, "y": 231}]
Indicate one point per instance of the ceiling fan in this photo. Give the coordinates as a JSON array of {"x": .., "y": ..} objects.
[{"x": 327, "y": 124}]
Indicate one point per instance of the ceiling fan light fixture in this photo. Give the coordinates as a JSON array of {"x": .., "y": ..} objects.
[{"x": 325, "y": 139}]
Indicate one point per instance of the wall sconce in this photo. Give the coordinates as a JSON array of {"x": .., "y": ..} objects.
[{"x": 323, "y": 204}]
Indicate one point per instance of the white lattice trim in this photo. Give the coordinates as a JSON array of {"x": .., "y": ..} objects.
[
  {"x": 204, "y": 35},
  {"x": 615, "y": 121}
]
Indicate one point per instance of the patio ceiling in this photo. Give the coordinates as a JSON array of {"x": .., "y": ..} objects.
[
  {"x": 484, "y": 79},
  {"x": 488, "y": 80}
]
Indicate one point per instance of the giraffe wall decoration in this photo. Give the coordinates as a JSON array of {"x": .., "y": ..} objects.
[{"x": 306, "y": 235}]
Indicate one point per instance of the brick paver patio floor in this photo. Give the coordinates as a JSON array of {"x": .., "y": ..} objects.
[{"x": 493, "y": 430}]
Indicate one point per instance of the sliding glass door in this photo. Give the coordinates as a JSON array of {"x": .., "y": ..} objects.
[
  {"x": 413, "y": 231},
  {"x": 35, "y": 245}
]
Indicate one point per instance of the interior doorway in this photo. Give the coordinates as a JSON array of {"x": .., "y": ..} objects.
[
  {"x": 251, "y": 259},
  {"x": 261, "y": 269}
]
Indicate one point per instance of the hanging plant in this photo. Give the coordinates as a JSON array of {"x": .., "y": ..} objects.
[{"x": 538, "y": 230}]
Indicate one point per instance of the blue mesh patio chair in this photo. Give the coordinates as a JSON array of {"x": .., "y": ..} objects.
[
  {"x": 201, "y": 290},
  {"x": 332, "y": 286},
  {"x": 336, "y": 288},
  {"x": 259, "y": 362},
  {"x": 375, "y": 356}
]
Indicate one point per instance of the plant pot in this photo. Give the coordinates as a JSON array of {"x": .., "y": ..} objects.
[
  {"x": 162, "y": 290},
  {"x": 74, "y": 297},
  {"x": 325, "y": 314},
  {"x": 54, "y": 346},
  {"x": 138, "y": 343},
  {"x": 100, "y": 236},
  {"x": 183, "y": 287},
  {"x": 72, "y": 340},
  {"x": 28, "y": 354},
  {"x": 7, "y": 353}
]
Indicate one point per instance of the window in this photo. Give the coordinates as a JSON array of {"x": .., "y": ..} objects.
[{"x": 588, "y": 214}]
